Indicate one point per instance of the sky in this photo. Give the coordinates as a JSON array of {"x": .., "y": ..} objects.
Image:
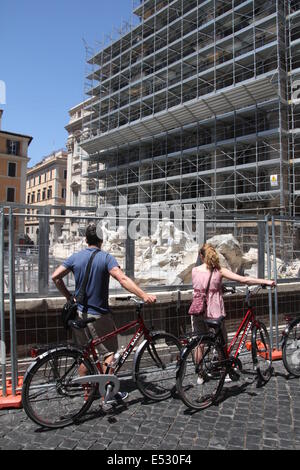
[{"x": 42, "y": 62}]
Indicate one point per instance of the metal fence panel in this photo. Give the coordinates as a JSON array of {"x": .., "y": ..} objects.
[{"x": 159, "y": 253}]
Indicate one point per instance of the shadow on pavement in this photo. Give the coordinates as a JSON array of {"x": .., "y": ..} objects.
[{"x": 227, "y": 392}]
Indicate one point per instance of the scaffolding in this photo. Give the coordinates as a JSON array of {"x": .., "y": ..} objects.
[
  {"x": 294, "y": 102},
  {"x": 195, "y": 102}
]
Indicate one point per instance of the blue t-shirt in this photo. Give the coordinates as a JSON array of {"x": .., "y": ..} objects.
[{"x": 98, "y": 284}]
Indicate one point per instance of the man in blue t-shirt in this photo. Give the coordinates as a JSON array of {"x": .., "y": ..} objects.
[{"x": 97, "y": 291}]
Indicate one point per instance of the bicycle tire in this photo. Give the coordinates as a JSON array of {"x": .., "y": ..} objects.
[
  {"x": 49, "y": 399},
  {"x": 262, "y": 353},
  {"x": 211, "y": 368},
  {"x": 291, "y": 349},
  {"x": 155, "y": 366}
]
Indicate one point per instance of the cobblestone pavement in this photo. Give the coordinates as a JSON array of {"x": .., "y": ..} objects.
[{"x": 246, "y": 418}]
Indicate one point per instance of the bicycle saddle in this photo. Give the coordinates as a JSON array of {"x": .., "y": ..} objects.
[
  {"x": 79, "y": 324},
  {"x": 214, "y": 322}
]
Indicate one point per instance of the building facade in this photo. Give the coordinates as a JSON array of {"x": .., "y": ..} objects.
[
  {"x": 80, "y": 191},
  {"x": 46, "y": 186},
  {"x": 13, "y": 167},
  {"x": 198, "y": 102}
]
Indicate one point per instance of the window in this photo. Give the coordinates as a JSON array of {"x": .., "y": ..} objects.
[
  {"x": 12, "y": 167},
  {"x": 75, "y": 197},
  {"x": 32, "y": 198},
  {"x": 44, "y": 194},
  {"x": 28, "y": 198},
  {"x": 13, "y": 147},
  {"x": 10, "y": 196},
  {"x": 38, "y": 197},
  {"x": 49, "y": 193},
  {"x": 63, "y": 193},
  {"x": 65, "y": 174},
  {"x": 76, "y": 166}
]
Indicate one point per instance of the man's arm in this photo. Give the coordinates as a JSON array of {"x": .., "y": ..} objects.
[
  {"x": 131, "y": 286},
  {"x": 57, "y": 278}
]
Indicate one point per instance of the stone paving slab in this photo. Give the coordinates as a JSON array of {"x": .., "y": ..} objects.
[{"x": 246, "y": 418}]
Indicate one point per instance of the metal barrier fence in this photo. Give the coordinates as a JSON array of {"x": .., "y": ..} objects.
[{"x": 157, "y": 246}]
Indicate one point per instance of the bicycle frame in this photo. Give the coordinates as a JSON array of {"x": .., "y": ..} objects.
[
  {"x": 246, "y": 324},
  {"x": 142, "y": 330}
]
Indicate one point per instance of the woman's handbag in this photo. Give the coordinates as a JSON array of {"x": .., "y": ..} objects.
[
  {"x": 199, "y": 304},
  {"x": 69, "y": 310}
]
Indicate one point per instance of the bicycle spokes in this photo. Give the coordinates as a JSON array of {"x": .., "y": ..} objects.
[
  {"x": 201, "y": 374},
  {"x": 155, "y": 357},
  {"x": 156, "y": 366},
  {"x": 49, "y": 396}
]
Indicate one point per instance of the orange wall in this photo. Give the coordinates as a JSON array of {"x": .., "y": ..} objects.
[
  {"x": 3, "y": 148},
  {"x": 5, "y": 180},
  {"x": 4, "y": 166},
  {"x": 9, "y": 183}
]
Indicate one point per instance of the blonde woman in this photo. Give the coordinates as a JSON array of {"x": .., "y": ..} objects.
[{"x": 211, "y": 272}]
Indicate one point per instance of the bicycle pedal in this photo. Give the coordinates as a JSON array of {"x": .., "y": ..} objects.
[{"x": 106, "y": 407}]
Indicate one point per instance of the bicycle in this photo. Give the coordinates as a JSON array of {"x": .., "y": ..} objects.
[
  {"x": 206, "y": 360},
  {"x": 290, "y": 345},
  {"x": 55, "y": 392}
]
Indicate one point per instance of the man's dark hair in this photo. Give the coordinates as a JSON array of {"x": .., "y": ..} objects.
[{"x": 91, "y": 235}]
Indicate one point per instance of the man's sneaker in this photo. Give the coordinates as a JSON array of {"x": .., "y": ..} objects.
[
  {"x": 228, "y": 379},
  {"x": 119, "y": 397}
]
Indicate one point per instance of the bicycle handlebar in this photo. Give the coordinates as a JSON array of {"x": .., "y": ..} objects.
[
  {"x": 249, "y": 292},
  {"x": 256, "y": 289},
  {"x": 130, "y": 298},
  {"x": 232, "y": 290}
]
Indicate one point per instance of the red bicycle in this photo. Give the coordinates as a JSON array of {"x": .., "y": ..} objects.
[
  {"x": 206, "y": 361},
  {"x": 56, "y": 393}
]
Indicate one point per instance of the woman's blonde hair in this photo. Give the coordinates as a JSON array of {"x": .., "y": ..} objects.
[{"x": 211, "y": 257}]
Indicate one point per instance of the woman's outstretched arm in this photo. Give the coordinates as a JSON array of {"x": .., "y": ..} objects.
[{"x": 245, "y": 279}]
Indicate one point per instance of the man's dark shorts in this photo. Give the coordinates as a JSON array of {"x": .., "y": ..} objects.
[{"x": 102, "y": 326}]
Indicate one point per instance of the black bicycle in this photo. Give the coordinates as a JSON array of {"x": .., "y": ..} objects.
[{"x": 290, "y": 344}]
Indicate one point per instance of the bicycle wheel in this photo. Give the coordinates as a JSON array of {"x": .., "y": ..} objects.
[
  {"x": 156, "y": 366},
  {"x": 291, "y": 349},
  {"x": 201, "y": 374},
  {"x": 49, "y": 397},
  {"x": 262, "y": 353}
]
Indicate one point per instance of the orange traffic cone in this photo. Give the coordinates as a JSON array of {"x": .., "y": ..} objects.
[
  {"x": 10, "y": 400},
  {"x": 276, "y": 353}
]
